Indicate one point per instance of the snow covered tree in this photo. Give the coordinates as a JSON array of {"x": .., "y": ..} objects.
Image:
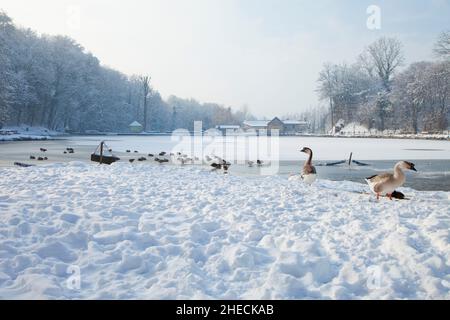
[
  {"x": 410, "y": 93},
  {"x": 327, "y": 86},
  {"x": 421, "y": 94},
  {"x": 442, "y": 46},
  {"x": 383, "y": 57},
  {"x": 145, "y": 83},
  {"x": 439, "y": 93},
  {"x": 346, "y": 87}
]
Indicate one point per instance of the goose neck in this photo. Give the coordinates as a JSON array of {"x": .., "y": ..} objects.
[
  {"x": 309, "y": 160},
  {"x": 398, "y": 172}
]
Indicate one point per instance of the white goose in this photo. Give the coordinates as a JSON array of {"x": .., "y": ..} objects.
[{"x": 386, "y": 183}]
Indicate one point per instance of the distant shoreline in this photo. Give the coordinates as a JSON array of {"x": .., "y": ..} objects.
[
  {"x": 439, "y": 137},
  {"x": 386, "y": 137},
  {"x": 22, "y": 137}
]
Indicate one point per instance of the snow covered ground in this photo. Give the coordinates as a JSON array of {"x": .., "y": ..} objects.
[
  {"x": 26, "y": 133},
  {"x": 157, "y": 232}
]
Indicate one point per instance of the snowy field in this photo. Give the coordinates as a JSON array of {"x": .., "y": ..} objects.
[{"x": 157, "y": 232}]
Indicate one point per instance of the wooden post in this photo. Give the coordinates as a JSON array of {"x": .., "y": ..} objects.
[
  {"x": 101, "y": 152},
  {"x": 350, "y": 159}
]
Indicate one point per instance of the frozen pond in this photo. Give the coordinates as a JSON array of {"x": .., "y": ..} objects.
[{"x": 432, "y": 158}]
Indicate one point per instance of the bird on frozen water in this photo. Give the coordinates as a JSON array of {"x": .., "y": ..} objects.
[
  {"x": 386, "y": 183},
  {"x": 308, "y": 173},
  {"x": 162, "y": 160},
  {"x": 216, "y": 166}
]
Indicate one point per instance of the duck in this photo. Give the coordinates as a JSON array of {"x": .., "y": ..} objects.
[
  {"x": 386, "y": 183},
  {"x": 250, "y": 163},
  {"x": 309, "y": 173},
  {"x": 43, "y": 149},
  {"x": 163, "y": 153},
  {"x": 216, "y": 166},
  {"x": 131, "y": 160},
  {"x": 259, "y": 162},
  {"x": 32, "y": 157},
  {"x": 142, "y": 159},
  {"x": 151, "y": 155},
  {"x": 128, "y": 151},
  {"x": 161, "y": 160}
]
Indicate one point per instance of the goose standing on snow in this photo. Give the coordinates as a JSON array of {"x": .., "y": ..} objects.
[
  {"x": 309, "y": 173},
  {"x": 386, "y": 183}
]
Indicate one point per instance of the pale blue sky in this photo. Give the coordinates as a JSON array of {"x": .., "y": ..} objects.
[{"x": 263, "y": 53}]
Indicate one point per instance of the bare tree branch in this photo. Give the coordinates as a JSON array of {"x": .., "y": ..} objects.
[{"x": 442, "y": 46}]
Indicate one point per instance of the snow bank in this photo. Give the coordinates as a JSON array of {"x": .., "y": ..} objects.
[
  {"x": 156, "y": 232},
  {"x": 354, "y": 129},
  {"x": 26, "y": 133}
]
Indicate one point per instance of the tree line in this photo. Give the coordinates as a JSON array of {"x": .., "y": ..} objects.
[
  {"x": 375, "y": 92},
  {"x": 53, "y": 82}
]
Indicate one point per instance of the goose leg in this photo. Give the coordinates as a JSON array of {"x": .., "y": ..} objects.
[
  {"x": 378, "y": 196},
  {"x": 390, "y": 196}
]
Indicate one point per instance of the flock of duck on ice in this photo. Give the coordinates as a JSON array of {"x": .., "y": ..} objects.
[{"x": 383, "y": 184}]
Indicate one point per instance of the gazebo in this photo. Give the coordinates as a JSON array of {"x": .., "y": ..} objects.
[{"x": 136, "y": 127}]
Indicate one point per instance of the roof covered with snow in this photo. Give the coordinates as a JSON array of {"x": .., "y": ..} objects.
[
  {"x": 135, "y": 124},
  {"x": 256, "y": 123}
]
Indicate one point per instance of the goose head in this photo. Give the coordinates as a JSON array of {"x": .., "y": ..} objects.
[
  {"x": 406, "y": 165},
  {"x": 306, "y": 150}
]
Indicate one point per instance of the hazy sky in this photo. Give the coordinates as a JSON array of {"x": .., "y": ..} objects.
[{"x": 263, "y": 53}]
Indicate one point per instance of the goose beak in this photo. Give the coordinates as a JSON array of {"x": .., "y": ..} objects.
[{"x": 413, "y": 169}]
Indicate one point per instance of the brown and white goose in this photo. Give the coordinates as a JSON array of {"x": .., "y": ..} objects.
[
  {"x": 386, "y": 183},
  {"x": 309, "y": 173}
]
